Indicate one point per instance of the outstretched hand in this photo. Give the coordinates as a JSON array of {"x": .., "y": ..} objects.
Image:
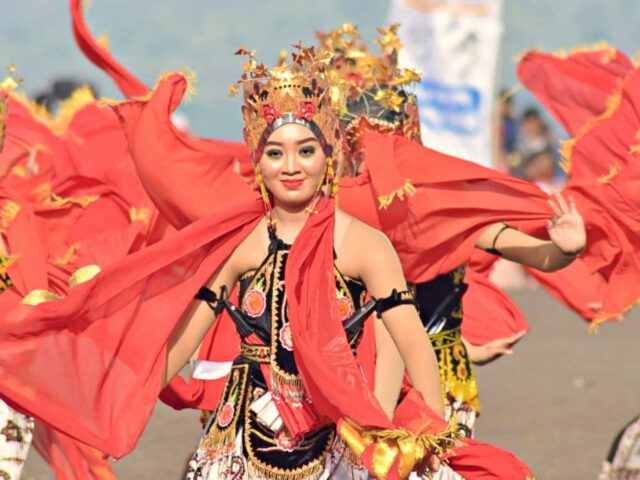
[
  {"x": 566, "y": 227},
  {"x": 483, "y": 354}
]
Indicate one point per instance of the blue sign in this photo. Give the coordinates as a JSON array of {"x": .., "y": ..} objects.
[{"x": 452, "y": 108}]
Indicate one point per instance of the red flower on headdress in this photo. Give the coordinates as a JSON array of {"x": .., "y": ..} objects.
[
  {"x": 355, "y": 79},
  {"x": 306, "y": 111},
  {"x": 269, "y": 113}
]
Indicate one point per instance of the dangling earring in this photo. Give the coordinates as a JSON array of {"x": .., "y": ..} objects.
[
  {"x": 328, "y": 175},
  {"x": 326, "y": 178},
  {"x": 332, "y": 178},
  {"x": 259, "y": 183},
  {"x": 331, "y": 174}
]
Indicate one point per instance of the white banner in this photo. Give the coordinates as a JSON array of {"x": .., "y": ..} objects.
[{"x": 454, "y": 45}]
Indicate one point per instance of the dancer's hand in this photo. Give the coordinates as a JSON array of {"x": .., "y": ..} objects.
[
  {"x": 566, "y": 228},
  {"x": 487, "y": 353}
]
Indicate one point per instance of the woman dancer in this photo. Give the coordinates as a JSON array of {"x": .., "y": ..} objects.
[
  {"x": 373, "y": 90},
  {"x": 16, "y": 429},
  {"x": 294, "y": 136}
]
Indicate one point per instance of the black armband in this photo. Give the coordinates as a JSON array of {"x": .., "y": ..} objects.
[
  {"x": 215, "y": 302},
  {"x": 395, "y": 299},
  {"x": 493, "y": 250}
]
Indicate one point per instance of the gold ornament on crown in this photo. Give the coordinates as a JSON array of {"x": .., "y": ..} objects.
[{"x": 369, "y": 89}]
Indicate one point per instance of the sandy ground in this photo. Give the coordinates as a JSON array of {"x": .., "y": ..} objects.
[{"x": 557, "y": 402}]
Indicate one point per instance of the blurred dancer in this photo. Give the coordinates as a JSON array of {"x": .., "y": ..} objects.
[
  {"x": 623, "y": 460},
  {"x": 373, "y": 89},
  {"x": 16, "y": 429}
]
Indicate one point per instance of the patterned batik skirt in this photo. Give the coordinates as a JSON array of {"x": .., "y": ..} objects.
[
  {"x": 623, "y": 461},
  {"x": 15, "y": 439},
  {"x": 235, "y": 446}
]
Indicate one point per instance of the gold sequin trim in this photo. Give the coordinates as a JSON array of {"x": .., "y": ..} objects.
[
  {"x": 255, "y": 353},
  {"x": 8, "y": 213},
  {"x": 36, "y": 297},
  {"x": 84, "y": 274}
]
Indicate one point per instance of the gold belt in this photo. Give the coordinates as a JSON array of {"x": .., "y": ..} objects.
[
  {"x": 255, "y": 353},
  {"x": 446, "y": 338},
  {"x": 262, "y": 353}
]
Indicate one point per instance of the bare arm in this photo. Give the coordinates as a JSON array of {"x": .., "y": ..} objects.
[
  {"x": 566, "y": 230},
  {"x": 381, "y": 272},
  {"x": 195, "y": 324},
  {"x": 487, "y": 353},
  {"x": 389, "y": 369}
]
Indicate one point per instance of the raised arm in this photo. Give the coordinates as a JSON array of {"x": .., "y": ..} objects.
[
  {"x": 381, "y": 272},
  {"x": 567, "y": 240}
]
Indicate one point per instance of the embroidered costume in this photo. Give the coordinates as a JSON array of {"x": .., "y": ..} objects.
[{"x": 236, "y": 445}]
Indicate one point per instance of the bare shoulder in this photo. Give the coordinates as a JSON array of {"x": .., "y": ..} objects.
[
  {"x": 360, "y": 245},
  {"x": 359, "y": 233},
  {"x": 369, "y": 256},
  {"x": 250, "y": 253}
]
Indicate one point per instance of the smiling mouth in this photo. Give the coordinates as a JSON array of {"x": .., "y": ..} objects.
[{"x": 292, "y": 184}]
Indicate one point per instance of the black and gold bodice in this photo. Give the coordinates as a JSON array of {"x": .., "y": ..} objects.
[
  {"x": 440, "y": 301},
  {"x": 262, "y": 322}
]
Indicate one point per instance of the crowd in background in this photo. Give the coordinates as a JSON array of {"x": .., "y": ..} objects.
[{"x": 528, "y": 148}]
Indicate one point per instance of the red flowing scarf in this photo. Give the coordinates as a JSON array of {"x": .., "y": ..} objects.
[
  {"x": 68, "y": 458},
  {"x": 91, "y": 364},
  {"x": 489, "y": 313},
  {"x": 574, "y": 88},
  {"x": 126, "y": 82}
]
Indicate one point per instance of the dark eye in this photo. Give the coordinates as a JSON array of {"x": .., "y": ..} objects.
[
  {"x": 307, "y": 151},
  {"x": 274, "y": 153}
]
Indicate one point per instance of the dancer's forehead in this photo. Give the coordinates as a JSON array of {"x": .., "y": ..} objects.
[{"x": 291, "y": 134}]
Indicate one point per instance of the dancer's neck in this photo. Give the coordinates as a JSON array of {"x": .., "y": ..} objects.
[{"x": 289, "y": 221}]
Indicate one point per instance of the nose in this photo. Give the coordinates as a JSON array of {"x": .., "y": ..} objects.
[{"x": 291, "y": 164}]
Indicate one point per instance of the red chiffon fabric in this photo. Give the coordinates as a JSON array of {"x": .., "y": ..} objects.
[
  {"x": 31, "y": 149},
  {"x": 489, "y": 313},
  {"x": 574, "y": 88},
  {"x": 126, "y": 82},
  {"x": 79, "y": 203},
  {"x": 68, "y": 458}
]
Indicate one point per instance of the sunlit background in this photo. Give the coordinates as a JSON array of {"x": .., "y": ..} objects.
[
  {"x": 151, "y": 37},
  {"x": 560, "y": 400}
]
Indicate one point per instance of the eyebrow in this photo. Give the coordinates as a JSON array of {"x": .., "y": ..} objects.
[{"x": 299, "y": 142}]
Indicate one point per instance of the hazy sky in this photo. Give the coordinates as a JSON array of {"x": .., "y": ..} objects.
[{"x": 152, "y": 37}]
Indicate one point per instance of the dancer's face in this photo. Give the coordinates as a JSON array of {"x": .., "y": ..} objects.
[{"x": 292, "y": 165}]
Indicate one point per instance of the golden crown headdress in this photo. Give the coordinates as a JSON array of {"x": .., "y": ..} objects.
[
  {"x": 370, "y": 89},
  {"x": 297, "y": 92}
]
